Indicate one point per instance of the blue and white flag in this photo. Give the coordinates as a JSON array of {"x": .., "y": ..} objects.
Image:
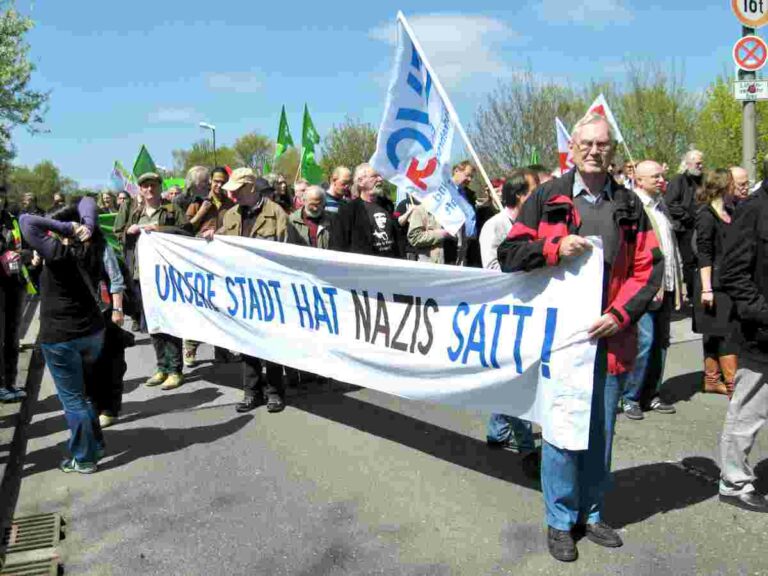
[{"x": 413, "y": 147}]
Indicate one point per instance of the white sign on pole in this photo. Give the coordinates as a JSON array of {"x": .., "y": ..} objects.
[
  {"x": 751, "y": 13},
  {"x": 750, "y": 91}
]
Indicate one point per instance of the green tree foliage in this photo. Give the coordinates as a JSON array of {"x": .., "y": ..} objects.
[
  {"x": 718, "y": 127},
  {"x": 43, "y": 180},
  {"x": 348, "y": 144},
  {"x": 19, "y": 104},
  {"x": 253, "y": 150},
  {"x": 201, "y": 154},
  {"x": 288, "y": 164}
]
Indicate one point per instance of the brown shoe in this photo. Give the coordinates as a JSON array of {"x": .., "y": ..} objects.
[
  {"x": 713, "y": 378},
  {"x": 729, "y": 365}
]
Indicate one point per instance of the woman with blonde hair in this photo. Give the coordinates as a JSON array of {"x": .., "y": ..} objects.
[{"x": 713, "y": 309}]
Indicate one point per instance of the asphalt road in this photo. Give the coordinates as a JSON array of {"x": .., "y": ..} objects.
[{"x": 350, "y": 481}]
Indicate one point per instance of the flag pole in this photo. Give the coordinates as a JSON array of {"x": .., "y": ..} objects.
[{"x": 451, "y": 110}]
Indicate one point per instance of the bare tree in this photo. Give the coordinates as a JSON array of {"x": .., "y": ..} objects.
[{"x": 348, "y": 144}]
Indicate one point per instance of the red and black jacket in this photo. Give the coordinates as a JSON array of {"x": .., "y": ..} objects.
[{"x": 550, "y": 215}]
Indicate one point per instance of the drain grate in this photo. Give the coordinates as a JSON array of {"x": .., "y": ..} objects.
[
  {"x": 49, "y": 567},
  {"x": 32, "y": 532}
]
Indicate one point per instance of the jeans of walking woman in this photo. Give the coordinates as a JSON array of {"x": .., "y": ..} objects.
[{"x": 69, "y": 362}]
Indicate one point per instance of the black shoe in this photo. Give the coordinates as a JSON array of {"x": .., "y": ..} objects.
[
  {"x": 633, "y": 411},
  {"x": 135, "y": 326},
  {"x": 602, "y": 534},
  {"x": 248, "y": 404},
  {"x": 275, "y": 403},
  {"x": 751, "y": 501},
  {"x": 532, "y": 465},
  {"x": 662, "y": 407},
  {"x": 561, "y": 545}
]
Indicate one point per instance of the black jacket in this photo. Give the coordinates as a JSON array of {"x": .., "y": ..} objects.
[
  {"x": 352, "y": 230},
  {"x": 744, "y": 271},
  {"x": 710, "y": 238},
  {"x": 681, "y": 201}
]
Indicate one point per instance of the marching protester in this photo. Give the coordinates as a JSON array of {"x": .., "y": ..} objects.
[
  {"x": 299, "y": 190},
  {"x": 551, "y": 228},
  {"x": 507, "y": 432},
  {"x": 123, "y": 198},
  {"x": 339, "y": 190},
  {"x": 464, "y": 251},
  {"x": 29, "y": 205},
  {"x": 281, "y": 194},
  {"x": 205, "y": 215},
  {"x": 106, "y": 203},
  {"x": 104, "y": 386},
  {"x": 426, "y": 236},
  {"x": 311, "y": 225},
  {"x": 13, "y": 256},
  {"x": 255, "y": 216},
  {"x": 713, "y": 308},
  {"x": 402, "y": 214},
  {"x": 644, "y": 381},
  {"x": 171, "y": 194},
  {"x": 362, "y": 225},
  {"x": 58, "y": 201},
  {"x": 156, "y": 216},
  {"x": 196, "y": 185},
  {"x": 740, "y": 184},
  {"x": 71, "y": 325},
  {"x": 681, "y": 202},
  {"x": 743, "y": 277}
]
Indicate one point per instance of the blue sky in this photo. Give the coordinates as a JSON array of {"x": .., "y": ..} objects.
[{"x": 124, "y": 74}]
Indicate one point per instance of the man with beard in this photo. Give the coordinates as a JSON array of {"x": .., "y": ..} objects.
[
  {"x": 362, "y": 225},
  {"x": 681, "y": 202},
  {"x": 255, "y": 216},
  {"x": 740, "y": 184}
]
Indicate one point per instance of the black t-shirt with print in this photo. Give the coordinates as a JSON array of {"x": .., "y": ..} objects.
[{"x": 383, "y": 240}]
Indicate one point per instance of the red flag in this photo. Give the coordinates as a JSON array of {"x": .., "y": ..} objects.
[{"x": 600, "y": 106}]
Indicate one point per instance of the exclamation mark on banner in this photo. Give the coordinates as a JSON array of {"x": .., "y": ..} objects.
[{"x": 549, "y": 338}]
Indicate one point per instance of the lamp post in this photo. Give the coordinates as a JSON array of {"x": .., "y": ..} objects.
[{"x": 212, "y": 128}]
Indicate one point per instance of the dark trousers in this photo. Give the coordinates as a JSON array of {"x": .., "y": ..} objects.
[
  {"x": 685, "y": 244},
  {"x": 253, "y": 384},
  {"x": 11, "y": 305},
  {"x": 105, "y": 387},
  {"x": 168, "y": 353}
]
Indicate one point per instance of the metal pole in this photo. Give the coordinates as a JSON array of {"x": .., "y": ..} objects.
[
  {"x": 214, "y": 148},
  {"x": 749, "y": 124}
]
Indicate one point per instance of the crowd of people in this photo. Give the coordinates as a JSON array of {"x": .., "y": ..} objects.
[{"x": 693, "y": 243}]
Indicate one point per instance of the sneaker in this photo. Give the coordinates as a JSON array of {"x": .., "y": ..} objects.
[
  {"x": 106, "y": 420},
  {"x": 662, "y": 407},
  {"x": 247, "y": 404},
  {"x": 751, "y": 501},
  {"x": 10, "y": 394},
  {"x": 190, "y": 360},
  {"x": 173, "y": 381},
  {"x": 157, "y": 379},
  {"x": 99, "y": 454},
  {"x": 275, "y": 403},
  {"x": 633, "y": 411},
  {"x": 136, "y": 326},
  {"x": 561, "y": 545},
  {"x": 71, "y": 465}
]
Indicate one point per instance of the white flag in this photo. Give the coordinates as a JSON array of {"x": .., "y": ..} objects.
[
  {"x": 413, "y": 147},
  {"x": 563, "y": 150},
  {"x": 600, "y": 106}
]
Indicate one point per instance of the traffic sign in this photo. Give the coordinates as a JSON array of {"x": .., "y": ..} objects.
[
  {"x": 750, "y": 53},
  {"x": 750, "y": 91},
  {"x": 751, "y": 13}
]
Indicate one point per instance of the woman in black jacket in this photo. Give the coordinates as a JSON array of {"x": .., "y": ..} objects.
[{"x": 713, "y": 309}]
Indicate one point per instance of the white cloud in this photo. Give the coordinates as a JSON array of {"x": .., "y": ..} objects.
[
  {"x": 174, "y": 115},
  {"x": 242, "y": 82},
  {"x": 592, "y": 13},
  {"x": 458, "y": 46}
]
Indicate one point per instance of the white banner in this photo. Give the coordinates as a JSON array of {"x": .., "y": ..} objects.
[
  {"x": 413, "y": 147},
  {"x": 471, "y": 338}
]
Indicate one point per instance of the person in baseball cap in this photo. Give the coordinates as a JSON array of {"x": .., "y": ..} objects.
[
  {"x": 239, "y": 178},
  {"x": 149, "y": 176}
]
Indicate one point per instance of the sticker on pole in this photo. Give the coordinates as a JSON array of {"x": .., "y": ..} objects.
[
  {"x": 751, "y": 13},
  {"x": 750, "y": 53}
]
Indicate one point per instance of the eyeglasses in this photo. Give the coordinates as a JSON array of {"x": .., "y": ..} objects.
[{"x": 587, "y": 145}]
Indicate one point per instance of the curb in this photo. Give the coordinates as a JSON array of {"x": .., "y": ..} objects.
[{"x": 31, "y": 368}]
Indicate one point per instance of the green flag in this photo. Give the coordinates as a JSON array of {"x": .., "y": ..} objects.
[
  {"x": 310, "y": 171},
  {"x": 284, "y": 138},
  {"x": 144, "y": 163},
  {"x": 107, "y": 223},
  {"x": 534, "y": 157},
  {"x": 168, "y": 182}
]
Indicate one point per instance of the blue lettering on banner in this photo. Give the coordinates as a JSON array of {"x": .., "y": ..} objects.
[
  {"x": 549, "y": 338},
  {"x": 462, "y": 308},
  {"x": 522, "y": 312},
  {"x": 188, "y": 287}
]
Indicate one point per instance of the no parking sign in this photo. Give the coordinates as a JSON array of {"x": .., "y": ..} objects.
[{"x": 750, "y": 53}]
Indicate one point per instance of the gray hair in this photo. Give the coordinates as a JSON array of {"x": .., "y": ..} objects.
[
  {"x": 196, "y": 176},
  {"x": 592, "y": 118},
  {"x": 364, "y": 167},
  {"x": 337, "y": 172},
  {"x": 318, "y": 190},
  {"x": 687, "y": 159},
  {"x": 271, "y": 178},
  {"x": 301, "y": 181}
]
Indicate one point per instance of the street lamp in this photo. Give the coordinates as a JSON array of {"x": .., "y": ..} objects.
[{"x": 212, "y": 128}]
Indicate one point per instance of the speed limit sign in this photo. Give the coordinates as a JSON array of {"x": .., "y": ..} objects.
[{"x": 751, "y": 13}]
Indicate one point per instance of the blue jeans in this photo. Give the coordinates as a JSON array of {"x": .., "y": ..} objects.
[
  {"x": 514, "y": 432},
  {"x": 68, "y": 363},
  {"x": 574, "y": 483},
  {"x": 635, "y": 379}
]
